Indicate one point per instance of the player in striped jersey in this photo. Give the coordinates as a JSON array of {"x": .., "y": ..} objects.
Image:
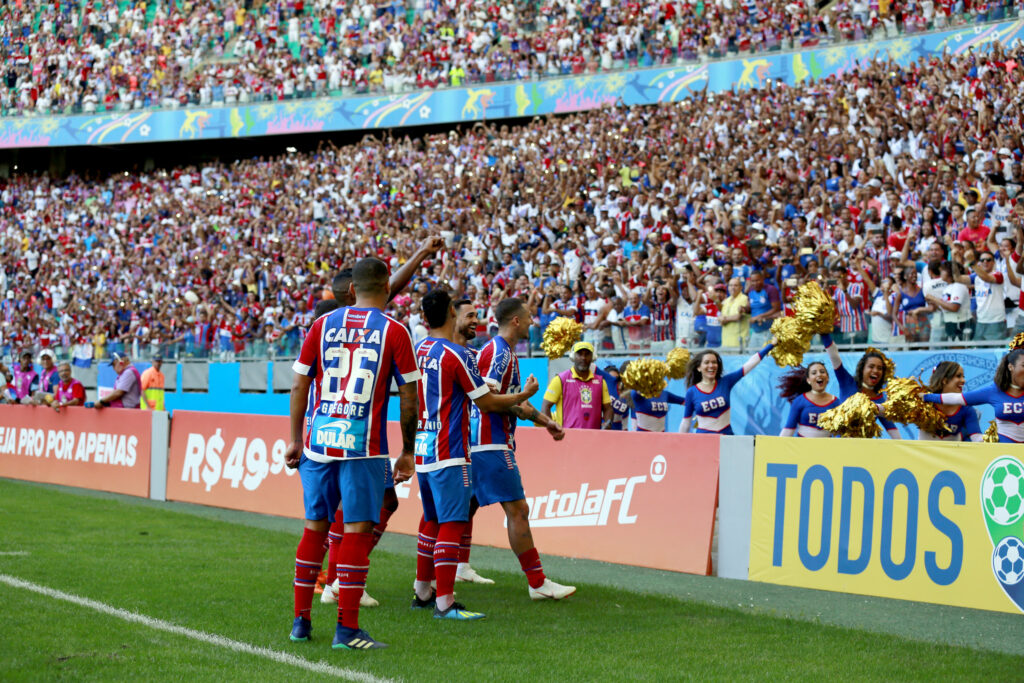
[
  {"x": 948, "y": 378},
  {"x": 450, "y": 382},
  {"x": 495, "y": 472},
  {"x": 350, "y": 357},
  {"x": 1005, "y": 395},
  {"x": 344, "y": 295},
  {"x": 804, "y": 388},
  {"x": 869, "y": 378},
  {"x": 709, "y": 391}
]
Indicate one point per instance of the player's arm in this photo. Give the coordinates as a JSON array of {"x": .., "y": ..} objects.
[
  {"x": 402, "y": 276},
  {"x": 525, "y": 411},
  {"x": 297, "y": 414},
  {"x": 409, "y": 406},
  {"x": 491, "y": 402}
]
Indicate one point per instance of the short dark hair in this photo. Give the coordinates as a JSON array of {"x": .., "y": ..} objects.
[
  {"x": 339, "y": 285},
  {"x": 325, "y": 306},
  {"x": 436, "y": 306},
  {"x": 459, "y": 303},
  {"x": 507, "y": 309},
  {"x": 370, "y": 275}
]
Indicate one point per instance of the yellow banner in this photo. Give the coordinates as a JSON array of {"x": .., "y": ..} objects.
[{"x": 915, "y": 520}]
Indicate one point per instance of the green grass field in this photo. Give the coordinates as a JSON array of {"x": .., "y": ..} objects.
[{"x": 229, "y": 575}]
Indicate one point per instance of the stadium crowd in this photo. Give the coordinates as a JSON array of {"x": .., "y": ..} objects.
[
  {"x": 692, "y": 222},
  {"x": 64, "y": 57}
]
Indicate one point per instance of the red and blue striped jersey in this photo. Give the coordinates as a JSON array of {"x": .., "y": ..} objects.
[
  {"x": 353, "y": 354},
  {"x": 851, "y": 315},
  {"x": 499, "y": 367},
  {"x": 450, "y": 382}
]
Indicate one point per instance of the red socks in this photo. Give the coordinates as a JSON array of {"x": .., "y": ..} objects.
[
  {"x": 308, "y": 559},
  {"x": 352, "y": 568},
  {"x": 446, "y": 556},
  {"x": 425, "y": 550},
  {"x": 466, "y": 543},
  {"x": 333, "y": 553},
  {"x": 530, "y": 562},
  {"x": 378, "y": 530}
]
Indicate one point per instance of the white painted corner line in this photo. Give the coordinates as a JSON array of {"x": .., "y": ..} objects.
[
  {"x": 209, "y": 638},
  {"x": 13, "y": 553}
]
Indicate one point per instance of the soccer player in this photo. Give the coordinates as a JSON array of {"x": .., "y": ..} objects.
[
  {"x": 709, "y": 391},
  {"x": 350, "y": 356},
  {"x": 344, "y": 295},
  {"x": 804, "y": 388},
  {"x": 450, "y": 381},
  {"x": 496, "y": 476},
  {"x": 1005, "y": 395},
  {"x": 948, "y": 378}
]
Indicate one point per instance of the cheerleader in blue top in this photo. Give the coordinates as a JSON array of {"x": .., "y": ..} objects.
[
  {"x": 869, "y": 378},
  {"x": 620, "y": 400},
  {"x": 1005, "y": 395},
  {"x": 708, "y": 395},
  {"x": 804, "y": 388},
  {"x": 948, "y": 378},
  {"x": 649, "y": 413}
]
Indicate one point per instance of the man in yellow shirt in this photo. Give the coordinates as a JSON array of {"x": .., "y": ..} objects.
[
  {"x": 735, "y": 316},
  {"x": 153, "y": 386},
  {"x": 574, "y": 394}
]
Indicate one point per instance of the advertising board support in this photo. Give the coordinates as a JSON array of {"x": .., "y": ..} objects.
[{"x": 735, "y": 490}]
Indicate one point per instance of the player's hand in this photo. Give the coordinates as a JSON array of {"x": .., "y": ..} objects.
[
  {"x": 293, "y": 454},
  {"x": 531, "y": 386},
  {"x": 98, "y": 405},
  {"x": 404, "y": 468},
  {"x": 434, "y": 244},
  {"x": 555, "y": 430}
]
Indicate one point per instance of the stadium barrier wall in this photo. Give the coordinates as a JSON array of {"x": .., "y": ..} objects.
[
  {"x": 648, "y": 502},
  {"x": 487, "y": 101},
  {"x": 105, "y": 450},
  {"x": 924, "y": 521},
  {"x": 735, "y": 490}
]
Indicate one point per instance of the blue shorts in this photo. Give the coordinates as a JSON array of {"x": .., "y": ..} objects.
[
  {"x": 445, "y": 494},
  {"x": 356, "y": 483},
  {"x": 496, "y": 477},
  {"x": 389, "y": 475}
]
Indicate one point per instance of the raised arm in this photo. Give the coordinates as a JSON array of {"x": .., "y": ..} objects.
[
  {"x": 833, "y": 351},
  {"x": 402, "y": 276}
]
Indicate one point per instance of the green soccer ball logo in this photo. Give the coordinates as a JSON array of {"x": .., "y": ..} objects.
[{"x": 1002, "y": 491}]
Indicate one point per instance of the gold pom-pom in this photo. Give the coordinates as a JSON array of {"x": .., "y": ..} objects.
[
  {"x": 856, "y": 418},
  {"x": 1018, "y": 342},
  {"x": 992, "y": 433},
  {"x": 815, "y": 309},
  {"x": 792, "y": 341},
  {"x": 890, "y": 366},
  {"x": 646, "y": 376},
  {"x": 904, "y": 404},
  {"x": 677, "y": 361},
  {"x": 560, "y": 335}
]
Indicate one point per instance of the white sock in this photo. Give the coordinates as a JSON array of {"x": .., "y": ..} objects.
[
  {"x": 423, "y": 591},
  {"x": 445, "y": 601}
]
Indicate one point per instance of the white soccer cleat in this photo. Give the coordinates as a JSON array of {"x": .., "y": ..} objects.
[
  {"x": 366, "y": 601},
  {"x": 330, "y": 594},
  {"x": 467, "y": 574},
  {"x": 549, "y": 590}
]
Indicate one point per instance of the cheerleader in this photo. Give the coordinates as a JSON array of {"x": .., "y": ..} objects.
[
  {"x": 649, "y": 413},
  {"x": 620, "y": 402},
  {"x": 804, "y": 388},
  {"x": 948, "y": 378},
  {"x": 1005, "y": 395},
  {"x": 708, "y": 395},
  {"x": 869, "y": 378}
]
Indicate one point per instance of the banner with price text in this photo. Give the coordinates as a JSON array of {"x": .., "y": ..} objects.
[{"x": 643, "y": 499}]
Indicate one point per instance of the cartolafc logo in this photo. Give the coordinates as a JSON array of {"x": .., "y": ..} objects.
[
  {"x": 1002, "y": 503},
  {"x": 592, "y": 505}
]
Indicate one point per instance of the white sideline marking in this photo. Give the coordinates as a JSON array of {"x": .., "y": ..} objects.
[
  {"x": 13, "y": 553},
  {"x": 211, "y": 638}
]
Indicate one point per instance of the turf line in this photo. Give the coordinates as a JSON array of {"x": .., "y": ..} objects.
[
  {"x": 13, "y": 553},
  {"x": 210, "y": 638}
]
